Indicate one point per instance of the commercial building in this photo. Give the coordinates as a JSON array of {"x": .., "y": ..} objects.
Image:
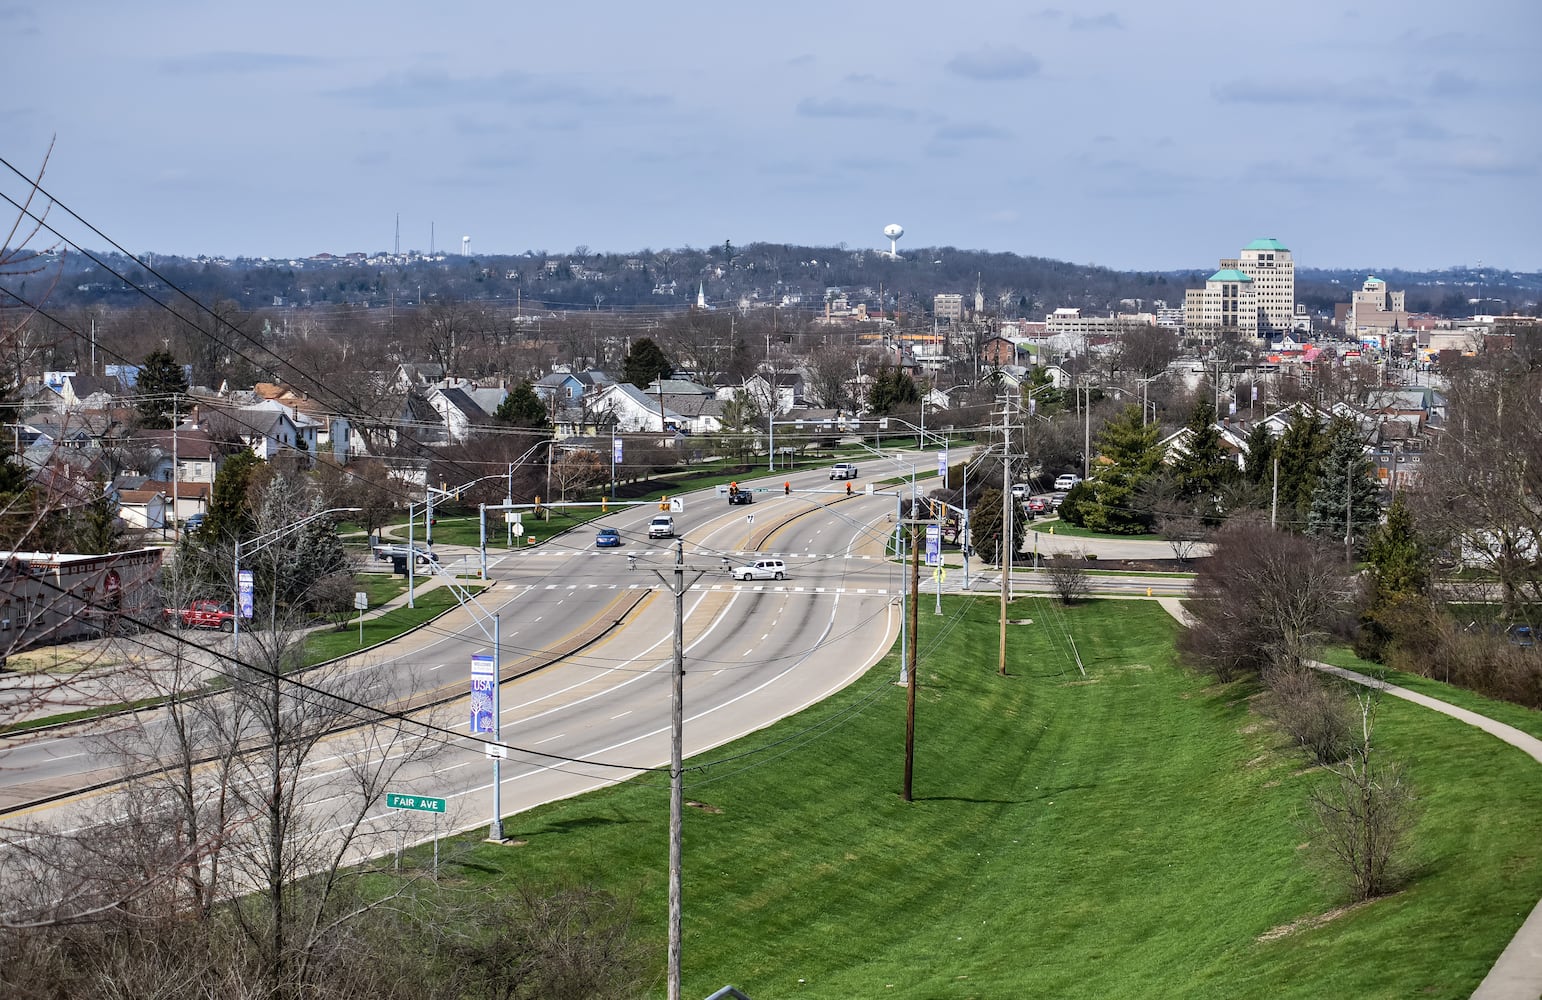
[
  {"x": 948, "y": 306},
  {"x": 1252, "y": 294},
  {"x": 1228, "y": 304},
  {"x": 50, "y": 597},
  {"x": 1375, "y": 310}
]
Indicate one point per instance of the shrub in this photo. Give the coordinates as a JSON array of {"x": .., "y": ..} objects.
[
  {"x": 1072, "y": 508},
  {"x": 1316, "y": 715}
]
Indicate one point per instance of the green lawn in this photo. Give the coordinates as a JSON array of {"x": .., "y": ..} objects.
[
  {"x": 1130, "y": 834},
  {"x": 1054, "y": 526},
  {"x": 327, "y": 644},
  {"x": 1527, "y": 720}
]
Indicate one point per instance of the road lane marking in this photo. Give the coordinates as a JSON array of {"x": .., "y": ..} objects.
[{"x": 623, "y": 715}]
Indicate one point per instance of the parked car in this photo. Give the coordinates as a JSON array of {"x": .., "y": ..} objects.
[
  {"x": 843, "y": 470},
  {"x": 1067, "y": 481},
  {"x": 762, "y": 569},
  {"x": 741, "y": 496},
  {"x": 607, "y": 538},
  {"x": 662, "y": 526},
  {"x": 202, "y": 613},
  {"x": 194, "y": 522}
]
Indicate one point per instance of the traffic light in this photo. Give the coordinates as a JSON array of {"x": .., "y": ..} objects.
[
  {"x": 537, "y": 505},
  {"x": 848, "y": 489},
  {"x": 604, "y": 504},
  {"x": 787, "y": 489},
  {"x": 733, "y": 488},
  {"x": 664, "y": 503}
]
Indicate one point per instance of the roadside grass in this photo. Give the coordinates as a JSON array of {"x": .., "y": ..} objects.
[
  {"x": 1128, "y": 833},
  {"x": 1527, "y": 720},
  {"x": 328, "y": 644},
  {"x": 1055, "y": 526}
]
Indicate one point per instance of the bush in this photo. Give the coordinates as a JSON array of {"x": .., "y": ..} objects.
[
  {"x": 1068, "y": 577},
  {"x": 1480, "y": 660},
  {"x": 1072, "y": 508},
  {"x": 1315, "y": 714}
]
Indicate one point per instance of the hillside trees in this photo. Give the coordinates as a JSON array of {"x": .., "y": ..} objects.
[{"x": 1345, "y": 501}]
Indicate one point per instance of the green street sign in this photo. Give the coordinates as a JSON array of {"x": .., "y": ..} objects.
[{"x": 422, "y": 803}]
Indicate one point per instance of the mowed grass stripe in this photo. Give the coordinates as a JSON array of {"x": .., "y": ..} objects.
[{"x": 1130, "y": 833}]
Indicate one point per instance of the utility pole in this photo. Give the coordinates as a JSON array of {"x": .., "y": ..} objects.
[
  {"x": 1274, "y": 503},
  {"x": 1008, "y": 522},
  {"x": 912, "y": 626},
  {"x": 676, "y": 772},
  {"x": 495, "y": 827},
  {"x": 1349, "y": 504}
]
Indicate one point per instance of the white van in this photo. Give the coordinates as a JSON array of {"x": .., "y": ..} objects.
[
  {"x": 762, "y": 569},
  {"x": 662, "y": 526}
]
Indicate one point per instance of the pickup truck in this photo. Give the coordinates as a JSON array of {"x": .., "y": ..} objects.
[{"x": 202, "y": 613}]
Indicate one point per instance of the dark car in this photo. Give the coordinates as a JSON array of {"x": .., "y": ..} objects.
[
  {"x": 741, "y": 496},
  {"x": 607, "y": 538},
  {"x": 193, "y": 523}
]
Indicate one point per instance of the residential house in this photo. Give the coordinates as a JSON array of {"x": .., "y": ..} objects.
[{"x": 143, "y": 509}]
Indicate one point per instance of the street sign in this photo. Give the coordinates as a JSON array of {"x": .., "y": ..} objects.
[
  {"x": 749, "y": 519},
  {"x": 421, "y": 803},
  {"x": 497, "y": 750},
  {"x": 517, "y": 528},
  {"x": 483, "y": 679},
  {"x": 360, "y": 601},
  {"x": 939, "y": 574},
  {"x": 676, "y": 505},
  {"x": 244, "y": 589}
]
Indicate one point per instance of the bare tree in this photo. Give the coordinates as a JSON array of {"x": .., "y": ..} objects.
[
  {"x": 1363, "y": 815},
  {"x": 575, "y": 470},
  {"x": 1263, "y": 599},
  {"x": 1068, "y": 577}
]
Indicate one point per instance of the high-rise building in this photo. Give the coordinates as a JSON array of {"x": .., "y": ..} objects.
[
  {"x": 1268, "y": 262},
  {"x": 1227, "y": 304},
  {"x": 948, "y": 306},
  {"x": 1375, "y": 310}
]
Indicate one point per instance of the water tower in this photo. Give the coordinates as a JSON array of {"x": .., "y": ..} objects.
[
  {"x": 894, "y": 231},
  {"x": 465, "y": 246}
]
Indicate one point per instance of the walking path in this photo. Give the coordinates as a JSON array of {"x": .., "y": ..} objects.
[{"x": 1517, "y": 975}]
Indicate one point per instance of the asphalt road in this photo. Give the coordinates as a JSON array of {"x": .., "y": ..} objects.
[{"x": 755, "y": 652}]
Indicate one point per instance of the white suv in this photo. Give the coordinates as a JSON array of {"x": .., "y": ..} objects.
[
  {"x": 662, "y": 526},
  {"x": 1067, "y": 481},
  {"x": 762, "y": 569}
]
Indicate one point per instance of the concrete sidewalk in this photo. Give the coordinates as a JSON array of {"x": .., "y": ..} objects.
[{"x": 1517, "y": 975}]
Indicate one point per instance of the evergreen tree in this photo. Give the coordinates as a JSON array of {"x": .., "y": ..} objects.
[
  {"x": 1259, "y": 466},
  {"x": 644, "y": 363},
  {"x": 161, "y": 391},
  {"x": 1397, "y": 584},
  {"x": 1300, "y": 451},
  {"x": 1130, "y": 456},
  {"x": 985, "y": 525},
  {"x": 98, "y": 528},
  {"x": 230, "y": 514},
  {"x": 522, "y": 408},
  {"x": 1344, "y": 487},
  {"x": 891, "y": 390},
  {"x": 1203, "y": 467}
]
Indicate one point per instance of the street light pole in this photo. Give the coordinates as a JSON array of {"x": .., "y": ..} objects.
[{"x": 266, "y": 538}]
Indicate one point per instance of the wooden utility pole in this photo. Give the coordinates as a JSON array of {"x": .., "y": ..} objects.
[
  {"x": 912, "y": 626},
  {"x": 1008, "y": 542},
  {"x": 676, "y": 774}
]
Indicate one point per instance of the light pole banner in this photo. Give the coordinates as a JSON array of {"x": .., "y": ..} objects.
[
  {"x": 483, "y": 678},
  {"x": 244, "y": 592},
  {"x": 933, "y": 545},
  {"x": 942, "y": 463},
  {"x": 615, "y": 450}
]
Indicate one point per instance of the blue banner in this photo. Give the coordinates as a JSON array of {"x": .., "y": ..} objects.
[
  {"x": 244, "y": 592},
  {"x": 484, "y": 678}
]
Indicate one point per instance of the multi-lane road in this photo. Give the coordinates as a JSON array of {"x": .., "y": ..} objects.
[{"x": 586, "y": 647}]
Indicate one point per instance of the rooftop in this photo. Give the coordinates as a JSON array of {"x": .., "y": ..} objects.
[
  {"x": 1229, "y": 274},
  {"x": 1267, "y": 243}
]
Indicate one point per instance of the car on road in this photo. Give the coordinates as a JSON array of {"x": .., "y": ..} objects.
[
  {"x": 741, "y": 496},
  {"x": 843, "y": 470},
  {"x": 1055, "y": 500},
  {"x": 389, "y": 551},
  {"x": 761, "y": 569},
  {"x": 607, "y": 538},
  {"x": 1020, "y": 491},
  {"x": 662, "y": 526},
  {"x": 202, "y": 613},
  {"x": 1038, "y": 505},
  {"x": 1067, "y": 480}
]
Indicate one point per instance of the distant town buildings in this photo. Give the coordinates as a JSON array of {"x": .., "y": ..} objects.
[
  {"x": 1375, "y": 310},
  {"x": 1252, "y": 294},
  {"x": 948, "y": 306}
]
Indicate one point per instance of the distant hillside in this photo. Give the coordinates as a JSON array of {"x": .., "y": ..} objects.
[{"x": 795, "y": 278}]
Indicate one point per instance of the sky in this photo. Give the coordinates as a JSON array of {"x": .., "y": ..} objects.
[{"x": 1134, "y": 134}]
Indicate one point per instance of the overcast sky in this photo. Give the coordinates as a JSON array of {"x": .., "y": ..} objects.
[{"x": 1130, "y": 133}]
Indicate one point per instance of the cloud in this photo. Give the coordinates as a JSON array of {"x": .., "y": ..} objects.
[
  {"x": 969, "y": 131},
  {"x": 1100, "y": 22},
  {"x": 992, "y": 64},
  {"x": 238, "y": 62},
  {"x": 513, "y": 88},
  {"x": 1447, "y": 84},
  {"x": 837, "y": 107},
  {"x": 1362, "y": 95}
]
